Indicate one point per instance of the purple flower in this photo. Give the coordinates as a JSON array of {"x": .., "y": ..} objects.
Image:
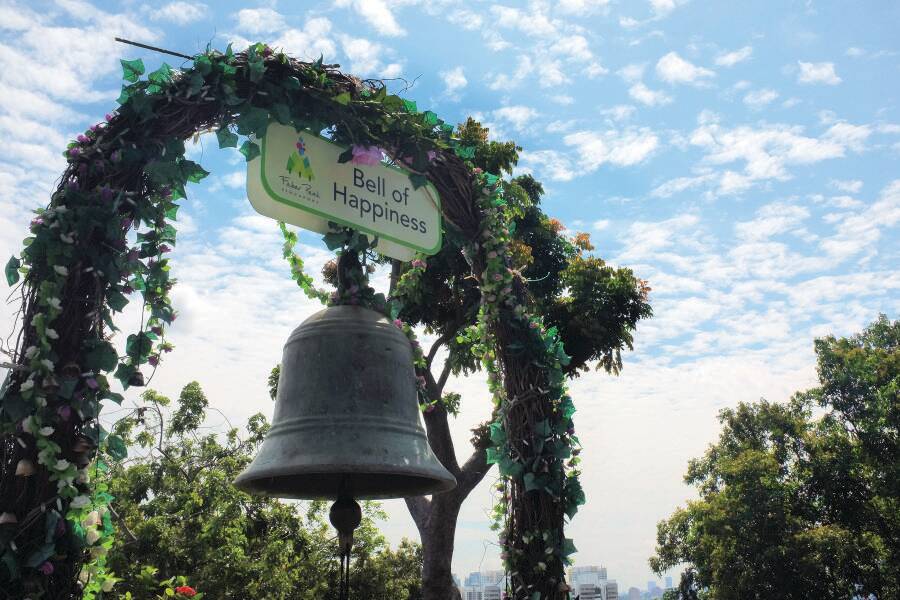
[
  {"x": 165, "y": 191},
  {"x": 363, "y": 155},
  {"x": 127, "y": 289},
  {"x": 431, "y": 155},
  {"x": 97, "y": 127},
  {"x": 153, "y": 360},
  {"x": 158, "y": 330},
  {"x": 106, "y": 193},
  {"x": 132, "y": 255},
  {"x": 164, "y": 248},
  {"x": 37, "y": 221},
  {"x": 116, "y": 156},
  {"x": 398, "y": 323},
  {"x": 83, "y": 139},
  {"x": 109, "y": 117},
  {"x": 418, "y": 263},
  {"x": 127, "y": 223},
  {"x": 46, "y": 567},
  {"x": 64, "y": 412},
  {"x": 74, "y": 151},
  {"x": 92, "y": 383}
]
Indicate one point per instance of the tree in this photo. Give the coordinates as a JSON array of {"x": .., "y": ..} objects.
[
  {"x": 594, "y": 306},
  {"x": 797, "y": 507},
  {"x": 179, "y": 514}
]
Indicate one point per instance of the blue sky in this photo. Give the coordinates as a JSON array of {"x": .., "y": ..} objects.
[{"x": 742, "y": 157}]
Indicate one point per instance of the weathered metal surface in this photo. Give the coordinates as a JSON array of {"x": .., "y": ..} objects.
[{"x": 346, "y": 415}]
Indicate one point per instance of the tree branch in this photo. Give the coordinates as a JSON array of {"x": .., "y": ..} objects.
[
  {"x": 420, "y": 509},
  {"x": 472, "y": 472},
  {"x": 437, "y": 428}
]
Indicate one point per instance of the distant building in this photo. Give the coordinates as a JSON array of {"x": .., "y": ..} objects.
[
  {"x": 612, "y": 591},
  {"x": 634, "y": 593},
  {"x": 486, "y": 585}
]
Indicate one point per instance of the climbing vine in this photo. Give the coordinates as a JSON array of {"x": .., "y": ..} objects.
[{"x": 104, "y": 241}]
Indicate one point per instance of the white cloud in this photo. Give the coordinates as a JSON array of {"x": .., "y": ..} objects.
[
  {"x": 772, "y": 219},
  {"x": 518, "y": 116},
  {"x": 549, "y": 164},
  {"x": 729, "y": 59},
  {"x": 180, "y": 13},
  {"x": 645, "y": 95},
  {"x": 663, "y": 7},
  {"x": 855, "y": 52},
  {"x": 760, "y": 98},
  {"x": 377, "y": 13},
  {"x": 672, "y": 68},
  {"x": 852, "y": 186},
  {"x": 310, "y": 42},
  {"x": 620, "y": 148},
  {"x": 632, "y": 73},
  {"x": 367, "y": 58},
  {"x": 256, "y": 21},
  {"x": 849, "y": 135},
  {"x": 466, "y": 19},
  {"x": 581, "y": 7},
  {"x": 860, "y": 231},
  {"x": 601, "y": 224},
  {"x": 679, "y": 184},
  {"x": 620, "y": 112},
  {"x": 505, "y": 81},
  {"x": 822, "y": 72},
  {"x": 454, "y": 81}
]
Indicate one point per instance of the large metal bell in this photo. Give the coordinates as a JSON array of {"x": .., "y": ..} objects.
[{"x": 346, "y": 416}]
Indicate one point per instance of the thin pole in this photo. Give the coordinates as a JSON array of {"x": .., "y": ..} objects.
[{"x": 154, "y": 48}]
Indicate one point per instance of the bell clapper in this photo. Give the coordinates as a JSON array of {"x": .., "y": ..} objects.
[{"x": 345, "y": 515}]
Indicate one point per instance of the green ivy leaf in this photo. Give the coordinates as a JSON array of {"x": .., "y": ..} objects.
[
  {"x": 343, "y": 98},
  {"x": 162, "y": 75},
  {"x": 465, "y": 152},
  {"x": 226, "y": 137},
  {"x": 192, "y": 171},
  {"x": 257, "y": 68},
  {"x": 346, "y": 156},
  {"x": 253, "y": 120},
  {"x": 115, "y": 447},
  {"x": 12, "y": 270},
  {"x": 116, "y": 300},
  {"x": 532, "y": 482},
  {"x": 102, "y": 358},
  {"x": 417, "y": 180},
  {"x": 250, "y": 150},
  {"x": 11, "y": 564},
  {"x": 410, "y": 106},
  {"x": 132, "y": 69},
  {"x": 203, "y": 64}
]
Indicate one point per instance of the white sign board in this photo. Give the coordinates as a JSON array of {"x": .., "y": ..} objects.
[{"x": 297, "y": 179}]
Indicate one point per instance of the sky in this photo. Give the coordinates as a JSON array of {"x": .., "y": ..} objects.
[{"x": 741, "y": 157}]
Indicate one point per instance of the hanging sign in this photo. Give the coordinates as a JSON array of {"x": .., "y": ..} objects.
[{"x": 297, "y": 179}]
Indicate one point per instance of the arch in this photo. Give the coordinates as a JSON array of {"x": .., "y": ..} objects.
[{"x": 128, "y": 173}]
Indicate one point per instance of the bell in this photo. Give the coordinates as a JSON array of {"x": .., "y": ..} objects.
[{"x": 346, "y": 416}]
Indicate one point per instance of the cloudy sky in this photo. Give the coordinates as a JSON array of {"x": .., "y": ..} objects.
[{"x": 742, "y": 157}]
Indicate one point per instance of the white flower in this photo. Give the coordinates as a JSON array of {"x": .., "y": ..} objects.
[
  {"x": 25, "y": 468},
  {"x": 31, "y": 352},
  {"x": 61, "y": 270},
  {"x": 80, "y": 501},
  {"x": 29, "y": 425},
  {"x": 92, "y": 519},
  {"x": 48, "y": 364},
  {"x": 67, "y": 238},
  {"x": 54, "y": 303},
  {"x": 41, "y": 401},
  {"x": 108, "y": 585},
  {"x": 62, "y": 464},
  {"x": 91, "y": 536},
  {"x": 83, "y": 476},
  {"x": 46, "y": 432},
  {"x": 51, "y": 333},
  {"x": 26, "y": 385}
]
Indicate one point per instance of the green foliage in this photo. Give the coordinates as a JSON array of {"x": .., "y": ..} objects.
[
  {"x": 181, "y": 515},
  {"x": 797, "y": 507}
]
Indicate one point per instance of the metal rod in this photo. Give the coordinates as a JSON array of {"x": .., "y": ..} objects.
[{"x": 154, "y": 48}]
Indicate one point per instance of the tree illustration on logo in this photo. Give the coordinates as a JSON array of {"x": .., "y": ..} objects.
[{"x": 299, "y": 161}]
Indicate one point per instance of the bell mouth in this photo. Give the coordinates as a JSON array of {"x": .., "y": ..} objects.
[{"x": 328, "y": 485}]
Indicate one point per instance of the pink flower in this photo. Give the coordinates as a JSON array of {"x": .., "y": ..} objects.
[
  {"x": 398, "y": 323},
  {"x": 363, "y": 155},
  {"x": 92, "y": 383},
  {"x": 83, "y": 139},
  {"x": 109, "y": 116},
  {"x": 64, "y": 412},
  {"x": 498, "y": 277},
  {"x": 46, "y": 568},
  {"x": 418, "y": 263}
]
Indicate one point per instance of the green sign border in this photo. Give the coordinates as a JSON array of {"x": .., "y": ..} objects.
[{"x": 288, "y": 202}]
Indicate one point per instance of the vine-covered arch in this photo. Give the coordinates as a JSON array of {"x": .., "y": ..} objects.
[{"x": 80, "y": 266}]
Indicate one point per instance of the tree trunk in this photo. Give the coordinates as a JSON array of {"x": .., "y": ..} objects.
[{"x": 438, "y": 537}]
